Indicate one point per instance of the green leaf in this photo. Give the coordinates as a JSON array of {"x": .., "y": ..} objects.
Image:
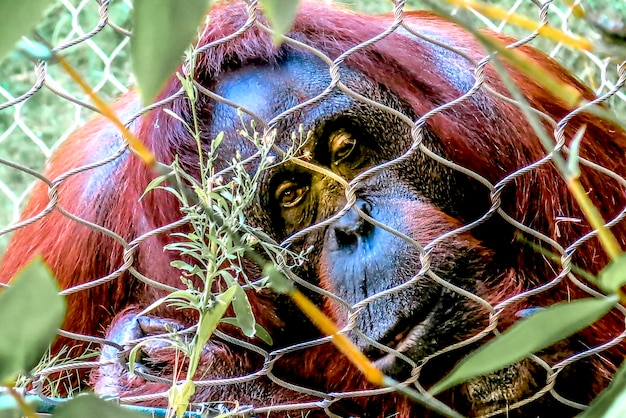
[
  {"x": 93, "y": 407},
  {"x": 613, "y": 276},
  {"x": 156, "y": 182},
  {"x": 241, "y": 306},
  {"x": 11, "y": 413},
  {"x": 528, "y": 336},
  {"x": 259, "y": 331},
  {"x": 179, "y": 396},
  {"x": 217, "y": 142},
  {"x": 18, "y": 18},
  {"x": 280, "y": 14},
  {"x": 31, "y": 312},
  {"x": 574, "y": 148},
  {"x": 34, "y": 50},
  {"x": 181, "y": 265},
  {"x": 208, "y": 322},
  {"x": 179, "y": 294},
  {"x": 162, "y": 30},
  {"x": 611, "y": 403},
  {"x": 276, "y": 280},
  {"x": 243, "y": 312}
]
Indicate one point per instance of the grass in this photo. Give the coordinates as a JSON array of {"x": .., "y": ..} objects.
[{"x": 30, "y": 129}]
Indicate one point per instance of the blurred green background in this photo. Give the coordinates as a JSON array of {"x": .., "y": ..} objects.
[{"x": 30, "y": 126}]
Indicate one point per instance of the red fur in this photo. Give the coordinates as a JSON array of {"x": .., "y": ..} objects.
[{"x": 493, "y": 148}]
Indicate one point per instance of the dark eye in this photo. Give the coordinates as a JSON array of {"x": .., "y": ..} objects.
[
  {"x": 290, "y": 194},
  {"x": 342, "y": 144}
]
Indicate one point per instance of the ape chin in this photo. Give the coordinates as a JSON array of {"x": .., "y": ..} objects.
[{"x": 416, "y": 263}]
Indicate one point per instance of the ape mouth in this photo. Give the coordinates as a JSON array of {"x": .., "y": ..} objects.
[{"x": 402, "y": 338}]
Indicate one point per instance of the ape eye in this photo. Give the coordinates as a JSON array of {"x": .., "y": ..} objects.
[
  {"x": 290, "y": 193},
  {"x": 342, "y": 145}
]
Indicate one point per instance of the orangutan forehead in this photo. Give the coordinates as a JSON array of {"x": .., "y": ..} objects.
[
  {"x": 270, "y": 92},
  {"x": 270, "y": 89}
]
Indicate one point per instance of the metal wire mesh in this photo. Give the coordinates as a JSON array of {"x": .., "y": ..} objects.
[{"x": 39, "y": 101}]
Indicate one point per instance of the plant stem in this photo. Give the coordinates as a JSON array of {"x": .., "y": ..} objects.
[{"x": 607, "y": 239}]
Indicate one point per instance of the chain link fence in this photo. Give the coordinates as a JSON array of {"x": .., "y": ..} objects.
[{"x": 41, "y": 107}]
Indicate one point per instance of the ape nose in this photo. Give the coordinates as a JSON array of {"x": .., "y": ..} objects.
[{"x": 345, "y": 233}]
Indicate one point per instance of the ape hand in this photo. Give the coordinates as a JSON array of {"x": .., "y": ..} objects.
[
  {"x": 155, "y": 355},
  {"x": 156, "y": 341}
]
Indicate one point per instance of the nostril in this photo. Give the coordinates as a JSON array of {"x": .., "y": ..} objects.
[
  {"x": 344, "y": 238},
  {"x": 364, "y": 207},
  {"x": 351, "y": 226}
]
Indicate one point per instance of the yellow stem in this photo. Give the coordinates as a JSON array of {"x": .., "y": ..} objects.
[
  {"x": 577, "y": 9},
  {"x": 496, "y": 12},
  {"x": 135, "y": 144},
  {"x": 340, "y": 340},
  {"x": 607, "y": 239}
]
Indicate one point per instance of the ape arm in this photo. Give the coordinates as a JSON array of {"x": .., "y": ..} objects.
[{"x": 78, "y": 253}]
